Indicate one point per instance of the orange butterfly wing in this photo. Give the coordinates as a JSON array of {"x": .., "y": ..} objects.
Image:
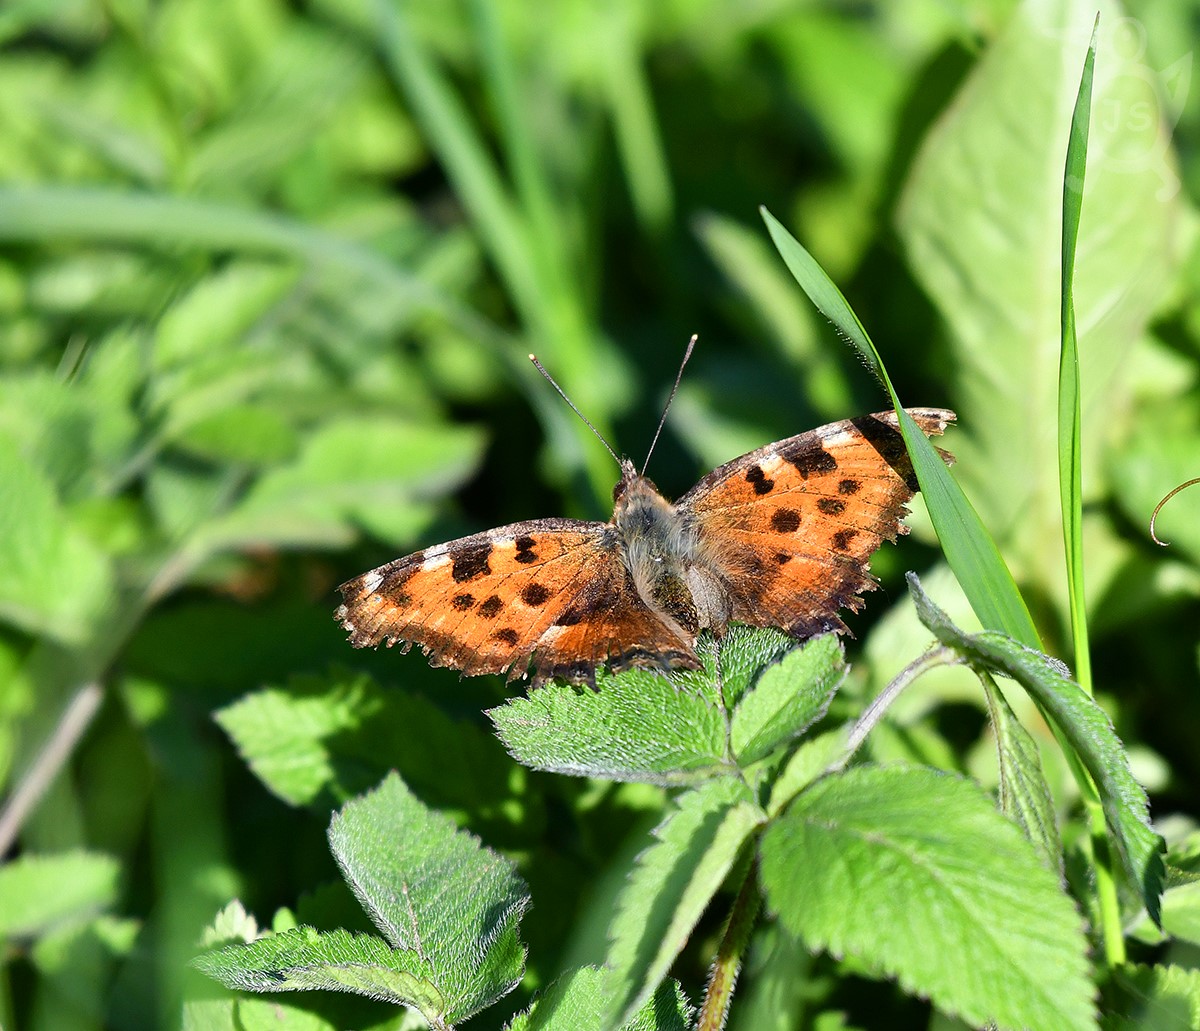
[
  {"x": 551, "y": 594},
  {"x": 791, "y": 526}
]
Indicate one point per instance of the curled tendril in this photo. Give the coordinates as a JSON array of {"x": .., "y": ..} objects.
[{"x": 1158, "y": 508}]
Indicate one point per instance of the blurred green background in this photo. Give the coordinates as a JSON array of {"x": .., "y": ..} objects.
[{"x": 269, "y": 273}]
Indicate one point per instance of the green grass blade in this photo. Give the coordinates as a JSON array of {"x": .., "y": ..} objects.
[
  {"x": 1070, "y": 476},
  {"x": 968, "y": 546},
  {"x": 476, "y": 179},
  {"x": 638, "y": 139},
  {"x": 1070, "y": 486}
]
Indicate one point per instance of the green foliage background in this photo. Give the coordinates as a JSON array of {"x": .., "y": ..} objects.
[{"x": 268, "y": 276}]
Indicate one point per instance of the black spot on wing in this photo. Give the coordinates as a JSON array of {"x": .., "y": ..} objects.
[
  {"x": 831, "y": 506},
  {"x": 809, "y": 458},
  {"x": 849, "y": 486},
  {"x": 462, "y": 602},
  {"x": 535, "y": 594},
  {"x": 491, "y": 606},
  {"x": 507, "y": 635},
  {"x": 842, "y": 539},
  {"x": 785, "y": 520},
  {"x": 758, "y": 479},
  {"x": 571, "y": 615},
  {"x": 470, "y": 561},
  {"x": 886, "y": 439},
  {"x": 525, "y": 553}
]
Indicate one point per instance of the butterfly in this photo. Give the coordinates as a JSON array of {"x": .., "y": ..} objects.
[{"x": 779, "y": 537}]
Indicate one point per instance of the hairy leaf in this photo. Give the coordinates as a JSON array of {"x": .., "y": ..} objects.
[
  {"x": 433, "y": 890},
  {"x": 575, "y": 1002},
  {"x": 915, "y": 873},
  {"x": 1084, "y": 724},
  {"x": 671, "y": 885}
]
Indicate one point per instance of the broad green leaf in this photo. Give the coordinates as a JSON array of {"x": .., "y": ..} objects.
[
  {"x": 914, "y": 873},
  {"x": 1024, "y": 794},
  {"x": 810, "y": 761},
  {"x": 968, "y": 546},
  {"x": 53, "y": 581},
  {"x": 787, "y": 699},
  {"x": 744, "y": 654},
  {"x": 348, "y": 470},
  {"x": 245, "y": 434},
  {"x": 328, "y": 733},
  {"x": 306, "y": 959},
  {"x": 1181, "y": 912},
  {"x": 670, "y": 887},
  {"x": 433, "y": 889},
  {"x": 637, "y": 726},
  {"x": 981, "y": 219},
  {"x": 39, "y": 893},
  {"x": 641, "y": 725},
  {"x": 1084, "y": 725},
  {"x": 575, "y": 1002},
  {"x": 1150, "y": 998},
  {"x": 220, "y": 312},
  {"x": 248, "y": 1013},
  {"x": 75, "y": 432}
]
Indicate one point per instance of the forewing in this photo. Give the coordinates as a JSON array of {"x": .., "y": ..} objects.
[
  {"x": 791, "y": 527},
  {"x": 549, "y": 596}
]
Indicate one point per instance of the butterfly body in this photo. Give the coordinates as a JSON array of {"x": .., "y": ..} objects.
[
  {"x": 663, "y": 550},
  {"x": 778, "y": 537}
]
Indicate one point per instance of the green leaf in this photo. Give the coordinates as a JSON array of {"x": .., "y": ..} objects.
[
  {"x": 327, "y": 733},
  {"x": 671, "y": 885},
  {"x": 433, "y": 889},
  {"x": 1085, "y": 726},
  {"x": 349, "y": 470},
  {"x": 245, "y": 434},
  {"x": 1181, "y": 913},
  {"x": 915, "y": 873},
  {"x": 981, "y": 219},
  {"x": 641, "y": 725},
  {"x": 306, "y": 959},
  {"x": 968, "y": 546},
  {"x": 1024, "y": 794},
  {"x": 810, "y": 761},
  {"x": 53, "y": 581},
  {"x": 447, "y": 906},
  {"x": 1147, "y": 998},
  {"x": 231, "y": 924},
  {"x": 637, "y": 726},
  {"x": 787, "y": 699},
  {"x": 575, "y": 1002},
  {"x": 40, "y": 893},
  {"x": 220, "y": 312}
]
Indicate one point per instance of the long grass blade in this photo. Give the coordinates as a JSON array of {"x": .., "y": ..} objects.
[{"x": 969, "y": 548}]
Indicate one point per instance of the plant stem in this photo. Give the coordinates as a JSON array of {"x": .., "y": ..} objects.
[
  {"x": 939, "y": 656},
  {"x": 722, "y": 978},
  {"x": 76, "y": 718}
]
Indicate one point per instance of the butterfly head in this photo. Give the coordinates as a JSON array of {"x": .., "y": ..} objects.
[{"x": 636, "y": 500}]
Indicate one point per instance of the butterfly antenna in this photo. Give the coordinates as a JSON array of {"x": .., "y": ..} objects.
[
  {"x": 571, "y": 404},
  {"x": 667, "y": 407}
]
